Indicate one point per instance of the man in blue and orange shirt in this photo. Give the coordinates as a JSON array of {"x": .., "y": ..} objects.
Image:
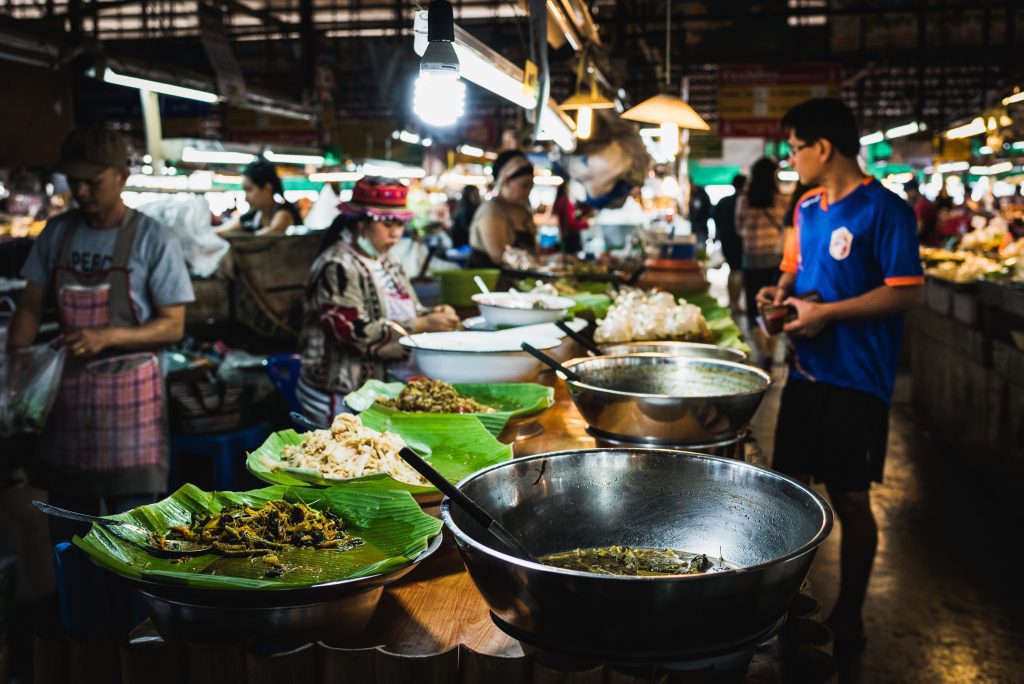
[{"x": 854, "y": 243}]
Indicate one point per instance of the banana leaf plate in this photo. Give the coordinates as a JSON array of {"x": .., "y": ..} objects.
[
  {"x": 512, "y": 400},
  {"x": 323, "y": 594},
  {"x": 456, "y": 445}
]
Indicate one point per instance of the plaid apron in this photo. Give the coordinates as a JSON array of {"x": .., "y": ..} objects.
[{"x": 109, "y": 412}]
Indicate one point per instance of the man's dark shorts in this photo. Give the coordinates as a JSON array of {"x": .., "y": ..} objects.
[{"x": 835, "y": 434}]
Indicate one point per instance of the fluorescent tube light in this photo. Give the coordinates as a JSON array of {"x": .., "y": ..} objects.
[
  {"x": 335, "y": 177},
  {"x": 111, "y": 76},
  {"x": 312, "y": 159},
  {"x": 872, "y": 138},
  {"x": 952, "y": 167},
  {"x": 392, "y": 170},
  {"x": 1001, "y": 167},
  {"x": 905, "y": 129},
  {"x": 1016, "y": 97},
  {"x": 789, "y": 176},
  {"x": 548, "y": 180},
  {"x": 976, "y": 127},
  {"x": 469, "y": 151},
  {"x": 194, "y": 156}
]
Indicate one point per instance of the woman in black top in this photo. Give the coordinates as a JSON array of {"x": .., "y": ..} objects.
[{"x": 269, "y": 212}]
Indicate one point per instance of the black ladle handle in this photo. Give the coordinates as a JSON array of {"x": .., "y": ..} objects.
[
  {"x": 581, "y": 340},
  {"x": 465, "y": 503},
  {"x": 549, "y": 362},
  {"x": 305, "y": 422},
  {"x": 73, "y": 515}
]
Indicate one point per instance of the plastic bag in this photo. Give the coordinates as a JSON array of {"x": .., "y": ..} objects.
[
  {"x": 29, "y": 382},
  {"x": 189, "y": 221}
]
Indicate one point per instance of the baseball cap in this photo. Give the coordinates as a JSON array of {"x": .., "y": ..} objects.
[{"x": 88, "y": 151}]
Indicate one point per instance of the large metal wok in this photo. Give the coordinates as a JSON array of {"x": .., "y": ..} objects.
[
  {"x": 337, "y": 609},
  {"x": 674, "y": 348},
  {"x": 666, "y": 400},
  {"x": 765, "y": 523}
]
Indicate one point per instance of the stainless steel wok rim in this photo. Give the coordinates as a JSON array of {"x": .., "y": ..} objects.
[
  {"x": 808, "y": 547},
  {"x": 736, "y": 365},
  {"x": 738, "y": 353}
]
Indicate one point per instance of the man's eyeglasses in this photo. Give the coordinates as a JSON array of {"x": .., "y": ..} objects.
[{"x": 796, "y": 149}]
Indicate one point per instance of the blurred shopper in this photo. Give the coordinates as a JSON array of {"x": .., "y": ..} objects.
[
  {"x": 855, "y": 244},
  {"x": 570, "y": 220},
  {"x": 700, "y": 212},
  {"x": 354, "y": 295},
  {"x": 505, "y": 220},
  {"x": 924, "y": 210},
  {"x": 759, "y": 217},
  {"x": 724, "y": 215},
  {"x": 269, "y": 212},
  {"x": 120, "y": 285},
  {"x": 468, "y": 204}
]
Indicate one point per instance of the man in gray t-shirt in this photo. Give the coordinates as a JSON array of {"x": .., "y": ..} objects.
[
  {"x": 159, "y": 275},
  {"x": 120, "y": 284}
]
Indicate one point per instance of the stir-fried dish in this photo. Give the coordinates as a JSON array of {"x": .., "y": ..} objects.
[
  {"x": 349, "y": 449},
  {"x": 625, "y": 560},
  {"x": 434, "y": 396},
  {"x": 276, "y": 525}
]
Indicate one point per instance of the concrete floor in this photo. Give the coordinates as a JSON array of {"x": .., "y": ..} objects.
[{"x": 945, "y": 604}]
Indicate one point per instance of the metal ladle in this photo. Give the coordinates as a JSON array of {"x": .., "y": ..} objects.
[{"x": 174, "y": 549}]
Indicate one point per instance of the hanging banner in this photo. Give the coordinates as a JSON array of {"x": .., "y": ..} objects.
[{"x": 753, "y": 98}]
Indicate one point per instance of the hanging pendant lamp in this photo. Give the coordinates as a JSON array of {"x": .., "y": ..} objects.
[
  {"x": 585, "y": 103},
  {"x": 664, "y": 109}
]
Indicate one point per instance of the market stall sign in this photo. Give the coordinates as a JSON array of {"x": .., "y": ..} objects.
[
  {"x": 708, "y": 174},
  {"x": 704, "y": 145},
  {"x": 753, "y": 98}
]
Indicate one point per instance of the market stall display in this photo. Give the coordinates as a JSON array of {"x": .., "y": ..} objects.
[
  {"x": 637, "y": 316},
  {"x": 366, "y": 455},
  {"x": 506, "y": 401}
]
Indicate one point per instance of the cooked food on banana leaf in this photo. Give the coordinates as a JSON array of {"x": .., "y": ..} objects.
[
  {"x": 433, "y": 396},
  {"x": 638, "y": 316},
  {"x": 350, "y": 450},
  {"x": 276, "y": 525},
  {"x": 625, "y": 560}
]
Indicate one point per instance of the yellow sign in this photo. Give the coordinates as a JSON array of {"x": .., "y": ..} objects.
[{"x": 530, "y": 80}]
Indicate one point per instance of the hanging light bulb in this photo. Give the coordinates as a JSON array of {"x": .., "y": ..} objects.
[
  {"x": 440, "y": 95},
  {"x": 670, "y": 138},
  {"x": 585, "y": 103},
  {"x": 584, "y": 123}
]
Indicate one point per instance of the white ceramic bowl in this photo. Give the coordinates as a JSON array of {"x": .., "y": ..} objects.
[
  {"x": 512, "y": 309},
  {"x": 476, "y": 356}
]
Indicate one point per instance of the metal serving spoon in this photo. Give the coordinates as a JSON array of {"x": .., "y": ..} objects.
[
  {"x": 435, "y": 478},
  {"x": 175, "y": 548}
]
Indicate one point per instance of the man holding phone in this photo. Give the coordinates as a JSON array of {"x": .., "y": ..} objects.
[{"x": 854, "y": 246}]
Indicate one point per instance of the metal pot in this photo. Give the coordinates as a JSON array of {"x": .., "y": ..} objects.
[
  {"x": 761, "y": 521},
  {"x": 333, "y": 611},
  {"x": 666, "y": 400},
  {"x": 673, "y": 348}
]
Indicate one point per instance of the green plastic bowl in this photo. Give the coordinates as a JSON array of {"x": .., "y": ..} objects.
[{"x": 458, "y": 287}]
